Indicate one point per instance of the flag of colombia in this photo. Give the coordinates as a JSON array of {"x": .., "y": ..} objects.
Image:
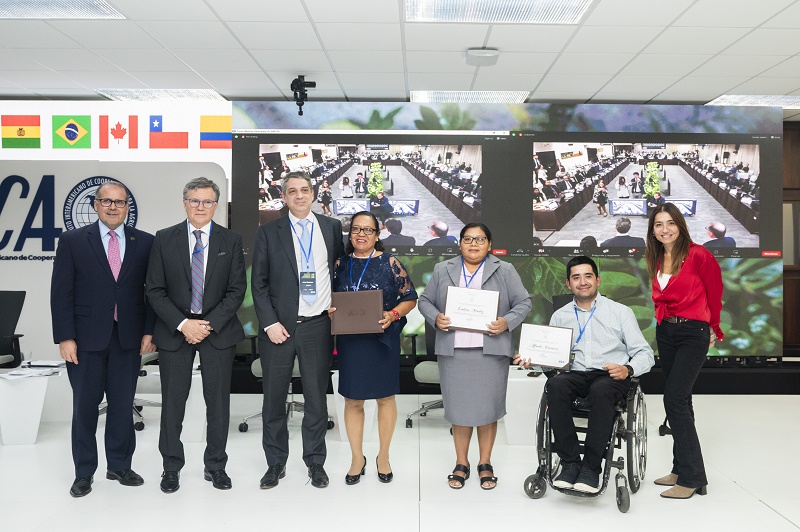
[{"x": 215, "y": 131}]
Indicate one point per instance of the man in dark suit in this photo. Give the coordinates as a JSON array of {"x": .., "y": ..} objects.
[
  {"x": 291, "y": 284},
  {"x": 196, "y": 283},
  {"x": 101, "y": 325},
  {"x": 717, "y": 230},
  {"x": 622, "y": 238},
  {"x": 396, "y": 238}
]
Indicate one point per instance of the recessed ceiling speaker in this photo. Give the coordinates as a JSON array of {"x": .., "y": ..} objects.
[{"x": 482, "y": 56}]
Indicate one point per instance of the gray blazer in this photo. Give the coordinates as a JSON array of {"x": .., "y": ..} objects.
[{"x": 515, "y": 302}]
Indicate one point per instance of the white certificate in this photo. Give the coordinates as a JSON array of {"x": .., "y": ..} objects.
[
  {"x": 470, "y": 309},
  {"x": 545, "y": 345}
]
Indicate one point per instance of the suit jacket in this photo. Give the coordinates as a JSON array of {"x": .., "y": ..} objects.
[
  {"x": 275, "y": 281},
  {"x": 169, "y": 285},
  {"x": 624, "y": 241},
  {"x": 515, "y": 302},
  {"x": 398, "y": 240},
  {"x": 722, "y": 242},
  {"x": 83, "y": 291}
]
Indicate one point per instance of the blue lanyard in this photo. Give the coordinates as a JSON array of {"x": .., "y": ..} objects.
[
  {"x": 471, "y": 277},
  {"x": 202, "y": 249},
  {"x": 582, "y": 329},
  {"x": 306, "y": 256},
  {"x": 362, "y": 272}
]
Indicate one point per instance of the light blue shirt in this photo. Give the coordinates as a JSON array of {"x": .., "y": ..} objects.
[
  {"x": 105, "y": 238},
  {"x": 611, "y": 336}
]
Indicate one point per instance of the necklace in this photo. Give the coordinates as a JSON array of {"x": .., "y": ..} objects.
[{"x": 370, "y": 254}]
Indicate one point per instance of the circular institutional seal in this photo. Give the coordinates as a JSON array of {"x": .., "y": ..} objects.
[{"x": 79, "y": 205}]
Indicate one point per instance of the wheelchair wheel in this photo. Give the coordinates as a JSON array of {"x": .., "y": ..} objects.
[
  {"x": 623, "y": 499},
  {"x": 138, "y": 426},
  {"x": 535, "y": 486},
  {"x": 636, "y": 440},
  {"x": 243, "y": 427}
]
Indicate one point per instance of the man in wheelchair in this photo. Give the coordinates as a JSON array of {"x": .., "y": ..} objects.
[{"x": 608, "y": 350}]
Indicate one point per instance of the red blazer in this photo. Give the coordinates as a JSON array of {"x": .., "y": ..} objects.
[{"x": 695, "y": 293}]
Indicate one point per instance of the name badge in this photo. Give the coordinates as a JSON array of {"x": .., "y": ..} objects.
[{"x": 308, "y": 283}]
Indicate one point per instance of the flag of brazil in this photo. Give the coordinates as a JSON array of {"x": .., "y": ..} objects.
[{"x": 72, "y": 132}]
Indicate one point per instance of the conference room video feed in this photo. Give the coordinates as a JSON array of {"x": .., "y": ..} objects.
[
  {"x": 422, "y": 195},
  {"x": 596, "y": 197}
]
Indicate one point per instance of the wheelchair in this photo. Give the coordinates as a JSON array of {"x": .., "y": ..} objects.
[{"x": 629, "y": 425}]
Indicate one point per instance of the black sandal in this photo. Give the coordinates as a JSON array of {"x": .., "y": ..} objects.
[
  {"x": 484, "y": 480},
  {"x": 458, "y": 478}
]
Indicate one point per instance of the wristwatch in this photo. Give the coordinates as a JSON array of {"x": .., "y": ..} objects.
[{"x": 630, "y": 370}]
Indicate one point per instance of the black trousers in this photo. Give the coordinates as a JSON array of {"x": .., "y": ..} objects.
[
  {"x": 176, "y": 380},
  {"x": 602, "y": 393},
  {"x": 682, "y": 349},
  {"x": 312, "y": 344},
  {"x": 113, "y": 372}
]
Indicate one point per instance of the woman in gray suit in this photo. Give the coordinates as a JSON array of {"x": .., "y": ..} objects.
[{"x": 474, "y": 366}]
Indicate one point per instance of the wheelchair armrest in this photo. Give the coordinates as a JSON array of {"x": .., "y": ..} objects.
[{"x": 632, "y": 388}]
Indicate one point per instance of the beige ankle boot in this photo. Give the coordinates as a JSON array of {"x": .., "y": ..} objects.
[
  {"x": 682, "y": 492},
  {"x": 667, "y": 480}
]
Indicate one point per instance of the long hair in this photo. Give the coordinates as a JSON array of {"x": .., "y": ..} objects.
[
  {"x": 654, "y": 253},
  {"x": 349, "y": 248}
]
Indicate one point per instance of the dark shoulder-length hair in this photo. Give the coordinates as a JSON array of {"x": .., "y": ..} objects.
[
  {"x": 654, "y": 253},
  {"x": 378, "y": 244}
]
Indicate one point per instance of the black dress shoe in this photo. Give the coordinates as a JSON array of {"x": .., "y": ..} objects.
[
  {"x": 272, "y": 476},
  {"x": 219, "y": 478},
  {"x": 170, "y": 481},
  {"x": 355, "y": 479},
  {"x": 383, "y": 477},
  {"x": 128, "y": 477},
  {"x": 318, "y": 476},
  {"x": 82, "y": 486}
]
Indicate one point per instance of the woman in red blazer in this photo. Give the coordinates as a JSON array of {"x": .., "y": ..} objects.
[{"x": 687, "y": 292}]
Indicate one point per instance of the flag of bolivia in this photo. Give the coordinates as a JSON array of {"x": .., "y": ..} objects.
[{"x": 21, "y": 131}]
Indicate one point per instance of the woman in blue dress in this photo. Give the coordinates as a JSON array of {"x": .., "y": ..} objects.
[{"x": 369, "y": 364}]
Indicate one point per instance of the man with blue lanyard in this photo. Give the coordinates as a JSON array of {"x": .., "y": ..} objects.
[{"x": 609, "y": 349}]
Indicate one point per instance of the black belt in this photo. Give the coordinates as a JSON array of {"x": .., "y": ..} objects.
[
  {"x": 194, "y": 316},
  {"x": 676, "y": 319},
  {"x": 303, "y": 319}
]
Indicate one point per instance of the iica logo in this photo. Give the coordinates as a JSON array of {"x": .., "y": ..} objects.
[{"x": 79, "y": 204}]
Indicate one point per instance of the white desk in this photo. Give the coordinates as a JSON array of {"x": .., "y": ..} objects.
[
  {"x": 21, "y": 402},
  {"x": 370, "y": 412},
  {"x": 522, "y": 406}
]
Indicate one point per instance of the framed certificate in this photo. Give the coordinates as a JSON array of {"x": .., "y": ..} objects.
[
  {"x": 357, "y": 312},
  {"x": 470, "y": 309},
  {"x": 546, "y": 346}
]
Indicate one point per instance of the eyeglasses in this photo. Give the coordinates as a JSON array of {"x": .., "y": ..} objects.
[
  {"x": 480, "y": 240},
  {"x": 195, "y": 203},
  {"x": 366, "y": 230},
  {"x": 106, "y": 202}
]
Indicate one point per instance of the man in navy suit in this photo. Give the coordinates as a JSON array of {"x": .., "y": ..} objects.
[
  {"x": 622, "y": 238},
  {"x": 196, "y": 283},
  {"x": 101, "y": 325}
]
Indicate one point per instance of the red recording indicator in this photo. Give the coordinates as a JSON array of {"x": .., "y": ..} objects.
[
  {"x": 770, "y": 253},
  {"x": 501, "y": 252}
]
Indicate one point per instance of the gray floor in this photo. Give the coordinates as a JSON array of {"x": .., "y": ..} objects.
[
  {"x": 407, "y": 187},
  {"x": 588, "y": 223}
]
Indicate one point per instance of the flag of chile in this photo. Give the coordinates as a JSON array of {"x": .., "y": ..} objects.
[{"x": 163, "y": 139}]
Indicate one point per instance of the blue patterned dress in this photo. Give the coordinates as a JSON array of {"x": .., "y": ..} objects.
[{"x": 369, "y": 364}]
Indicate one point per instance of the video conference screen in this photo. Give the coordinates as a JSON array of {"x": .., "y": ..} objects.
[{"x": 542, "y": 193}]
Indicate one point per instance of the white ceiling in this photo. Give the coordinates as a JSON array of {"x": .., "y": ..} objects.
[{"x": 635, "y": 51}]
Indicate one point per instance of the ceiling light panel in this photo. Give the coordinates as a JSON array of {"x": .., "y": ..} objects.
[
  {"x": 58, "y": 9},
  {"x": 170, "y": 95},
  {"x": 497, "y": 11},
  {"x": 757, "y": 100},
  {"x": 469, "y": 96}
]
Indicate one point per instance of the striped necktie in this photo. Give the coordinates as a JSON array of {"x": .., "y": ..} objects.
[{"x": 197, "y": 273}]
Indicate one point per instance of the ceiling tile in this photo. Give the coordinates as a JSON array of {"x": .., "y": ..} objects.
[
  {"x": 664, "y": 64},
  {"x": 767, "y": 42},
  {"x": 573, "y": 83},
  {"x": 788, "y": 69},
  {"x": 640, "y": 84},
  {"x": 491, "y": 81},
  {"x": 178, "y": 10},
  {"x": 191, "y": 34},
  {"x": 68, "y": 94},
  {"x": 621, "y": 97},
  {"x": 379, "y": 96},
  {"x": 560, "y": 96},
  {"x": 596, "y": 39},
  {"x": 15, "y": 92},
  {"x": 788, "y": 18},
  {"x": 45, "y": 79},
  {"x": 720, "y": 84},
  {"x": 143, "y": 59},
  {"x": 444, "y": 37},
  {"x": 590, "y": 63},
  {"x": 695, "y": 41},
  {"x": 791, "y": 114},
  {"x": 360, "y": 36},
  {"x": 742, "y": 65},
  {"x": 276, "y": 36},
  {"x": 763, "y": 85},
  {"x": 529, "y": 38},
  {"x": 297, "y": 61},
  {"x": 218, "y": 60},
  {"x": 68, "y": 59},
  {"x": 32, "y": 34},
  {"x": 222, "y": 81},
  {"x": 354, "y": 11},
  {"x": 355, "y": 61},
  {"x": 104, "y": 79},
  {"x": 437, "y": 62},
  {"x": 5, "y": 84},
  {"x": 730, "y": 14},
  {"x": 171, "y": 80},
  {"x": 261, "y": 11},
  {"x": 10, "y": 60},
  {"x": 388, "y": 81},
  {"x": 250, "y": 94},
  {"x": 106, "y": 33},
  {"x": 634, "y": 13},
  {"x": 522, "y": 62},
  {"x": 693, "y": 98},
  {"x": 429, "y": 81}
]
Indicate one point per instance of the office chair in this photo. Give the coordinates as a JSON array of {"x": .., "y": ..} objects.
[
  {"x": 10, "y": 310},
  {"x": 292, "y": 406},
  {"x": 138, "y": 404},
  {"x": 427, "y": 372}
]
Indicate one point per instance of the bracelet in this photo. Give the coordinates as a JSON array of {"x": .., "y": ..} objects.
[{"x": 395, "y": 314}]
